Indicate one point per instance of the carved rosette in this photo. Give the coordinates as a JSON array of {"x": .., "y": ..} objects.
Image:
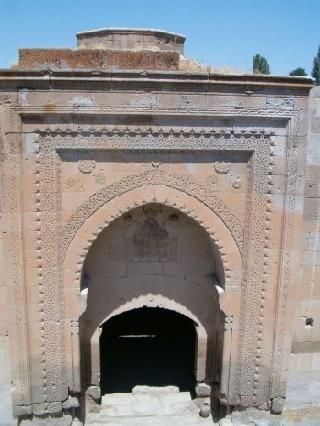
[
  {"x": 222, "y": 167},
  {"x": 211, "y": 180},
  {"x": 86, "y": 166},
  {"x": 236, "y": 183}
]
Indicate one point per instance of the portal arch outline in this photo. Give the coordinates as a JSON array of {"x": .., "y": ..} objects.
[
  {"x": 166, "y": 195},
  {"x": 218, "y": 233}
]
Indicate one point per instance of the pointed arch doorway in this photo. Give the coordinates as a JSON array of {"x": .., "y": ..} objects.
[
  {"x": 148, "y": 346},
  {"x": 153, "y": 313},
  {"x": 181, "y": 272}
]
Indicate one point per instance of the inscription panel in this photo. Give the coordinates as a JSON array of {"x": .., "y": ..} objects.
[{"x": 150, "y": 242}]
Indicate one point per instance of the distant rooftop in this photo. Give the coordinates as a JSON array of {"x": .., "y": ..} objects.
[
  {"x": 131, "y": 39},
  {"x": 132, "y": 30},
  {"x": 128, "y": 49}
]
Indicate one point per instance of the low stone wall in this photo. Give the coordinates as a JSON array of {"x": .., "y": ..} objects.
[{"x": 98, "y": 59}]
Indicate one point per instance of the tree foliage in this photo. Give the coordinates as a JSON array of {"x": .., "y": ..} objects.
[
  {"x": 316, "y": 67},
  {"x": 298, "y": 71},
  {"x": 260, "y": 65}
]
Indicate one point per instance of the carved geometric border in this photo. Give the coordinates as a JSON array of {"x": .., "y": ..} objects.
[
  {"x": 277, "y": 389},
  {"x": 22, "y": 397},
  {"x": 257, "y": 143}
]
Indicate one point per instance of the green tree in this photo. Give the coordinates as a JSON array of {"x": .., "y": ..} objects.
[
  {"x": 260, "y": 65},
  {"x": 298, "y": 71},
  {"x": 316, "y": 67}
]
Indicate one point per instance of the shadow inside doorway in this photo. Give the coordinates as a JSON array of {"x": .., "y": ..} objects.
[{"x": 147, "y": 346}]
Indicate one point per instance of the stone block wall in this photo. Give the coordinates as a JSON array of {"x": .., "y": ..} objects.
[
  {"x": 235, "y": 157},
  {"x": 6, "y": 417},
  {"x": 304, "y": 369},
  {"x": 97, "y": 59}
]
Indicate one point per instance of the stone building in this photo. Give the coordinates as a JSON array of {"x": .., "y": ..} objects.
[{"x": 160, "y": 227}]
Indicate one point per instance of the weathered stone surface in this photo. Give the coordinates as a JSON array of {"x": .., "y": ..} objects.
[
  {"x": 111, "y": 49},
  {"x": 255, "y": 417},
  {"x": 39, "y": 58},
  {"x": 304, "y": 385},
  {"x": 130, "y": 39},
  {"x": 97, "y": 59},
  {"x": 203, "y": 390},
  {"x": 226, "y": 421},
  {"x": 94, "y": 392},
  {"x": 70, "y": 403},
  {"x": 155, "y": 390},
  {"x": 6, "y": 418},
  {"x": 65, "y": 420},
  {"x": 304, "y": 366},
  {"x": 163, "y": 405}
]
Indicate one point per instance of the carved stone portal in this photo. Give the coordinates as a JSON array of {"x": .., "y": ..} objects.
[{"x": 132, "y": 191}]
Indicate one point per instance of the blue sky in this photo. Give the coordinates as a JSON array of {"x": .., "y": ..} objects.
[{"x": 221, "y": 33}]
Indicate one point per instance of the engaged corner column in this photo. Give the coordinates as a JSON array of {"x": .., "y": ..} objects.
[
  {"x": 75, "y": 348},
  {"x": 226, "y": 356},
  {"x": 95, "y": 357},
  {"x": 201, "y": 355}
]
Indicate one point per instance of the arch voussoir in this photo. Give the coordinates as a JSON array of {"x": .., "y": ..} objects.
[{"x": 150, "y": 180}]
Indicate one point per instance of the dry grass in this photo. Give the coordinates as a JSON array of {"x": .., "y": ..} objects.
[{"x": 190, "y": 65}]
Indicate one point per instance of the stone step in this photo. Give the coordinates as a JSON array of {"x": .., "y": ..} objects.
[
  {"x": 154, "y": 390},
  {"x": 145, "y": 406},
  {"x": 149, "y": 420},
  {"x": 157, "y": 403}
]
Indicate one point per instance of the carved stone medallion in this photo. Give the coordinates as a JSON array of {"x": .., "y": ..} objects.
[
  {"x": 86, "y": 166},
  {"x": 236, "y": 183},
  {"x": 211, "y": 180},
  {"x": 222, "y": 167}
]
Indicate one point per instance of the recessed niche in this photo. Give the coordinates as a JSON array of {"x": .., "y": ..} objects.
[{"x": 309, "y": 322}]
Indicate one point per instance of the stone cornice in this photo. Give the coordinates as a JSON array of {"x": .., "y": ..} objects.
[{"x": 64, "y": 79}]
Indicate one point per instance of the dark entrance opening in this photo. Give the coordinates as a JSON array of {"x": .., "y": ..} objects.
[{"x": 147, "y": 346}]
